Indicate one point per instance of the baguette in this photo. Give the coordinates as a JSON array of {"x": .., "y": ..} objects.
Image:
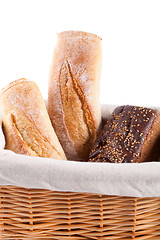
[
  {"x": 26, "y": 123},
  {"x": 73, "y": 95}
]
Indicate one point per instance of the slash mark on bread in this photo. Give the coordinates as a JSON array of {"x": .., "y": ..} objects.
[
  {"x": 82, "y": 132},
  {"x": 31, "y": 136}
]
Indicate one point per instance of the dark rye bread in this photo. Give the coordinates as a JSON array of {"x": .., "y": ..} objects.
[{"x": 132, "y": 134}]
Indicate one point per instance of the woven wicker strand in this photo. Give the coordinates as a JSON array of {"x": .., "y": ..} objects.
[{"x": 44, "y": 214}]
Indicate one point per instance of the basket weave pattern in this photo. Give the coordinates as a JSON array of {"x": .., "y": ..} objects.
[{"x": 44, "y": 214}]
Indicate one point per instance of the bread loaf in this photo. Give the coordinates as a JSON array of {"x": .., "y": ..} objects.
[
  {"x": 132, "y": 134},
  {"x": 26, "y": 123},
  {"x": 73, "y": 100}
]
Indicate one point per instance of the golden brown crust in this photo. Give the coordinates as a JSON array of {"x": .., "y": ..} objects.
[
  {"x": 73, "y": 102},
  {"x": 78, "y": 34},
  {"x": 12, "y": 84},
  {"x": 27, "y": 127},
  {"x": 73, "y": 98}
]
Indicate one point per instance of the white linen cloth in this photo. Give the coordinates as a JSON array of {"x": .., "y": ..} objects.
[{"x": 126, "y": 179}]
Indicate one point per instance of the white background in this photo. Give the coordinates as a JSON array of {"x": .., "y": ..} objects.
[{"x": 131, "y": 43}]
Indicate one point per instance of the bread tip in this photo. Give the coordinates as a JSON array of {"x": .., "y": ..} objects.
[
  {"x": 78, "y": 34},
  {"x": 13, "y": 83}
]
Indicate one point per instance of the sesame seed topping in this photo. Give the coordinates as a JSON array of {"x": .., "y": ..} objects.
[{"x": 123, "y": 135}]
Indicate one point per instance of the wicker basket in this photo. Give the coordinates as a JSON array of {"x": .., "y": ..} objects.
[
  {"x": 44, "y": 214},
  {"x": 29, "y": 213}
]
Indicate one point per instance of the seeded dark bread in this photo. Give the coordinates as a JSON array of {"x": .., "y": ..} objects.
[{"x": 132, "y": 134}]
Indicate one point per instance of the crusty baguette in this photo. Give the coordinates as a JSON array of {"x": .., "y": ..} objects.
[
  {"x": 73, "y": 96},
  {"x": 26, "y": 123}
]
